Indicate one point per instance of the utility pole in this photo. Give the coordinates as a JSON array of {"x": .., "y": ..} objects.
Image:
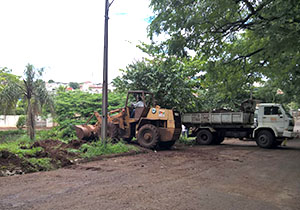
[{"x": 105, "y": 73}]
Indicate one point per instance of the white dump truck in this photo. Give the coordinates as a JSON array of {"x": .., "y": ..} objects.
[{"x": 266, "y": 123}]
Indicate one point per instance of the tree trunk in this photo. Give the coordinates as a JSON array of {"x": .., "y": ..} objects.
[{"x": 30, "y": 121}]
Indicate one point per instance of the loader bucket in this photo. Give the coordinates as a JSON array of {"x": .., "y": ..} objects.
[{"x": 85, "y": 132}]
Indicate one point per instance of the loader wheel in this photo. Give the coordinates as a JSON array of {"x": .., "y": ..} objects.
[
  {"x": 265, "y": 139},
  {"x": 166, "y": 144},
  {"x": 112, "y": 132},
  {"x": 204, "y": 137},
  {"x": 128, "y": 140},
  {"x": 148, "y": 136}
]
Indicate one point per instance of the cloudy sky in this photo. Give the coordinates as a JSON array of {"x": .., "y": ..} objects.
[{"x": 66, "y": 36}]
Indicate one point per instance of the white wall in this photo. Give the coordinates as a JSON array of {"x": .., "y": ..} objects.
[{"x": 7, "y": 121}]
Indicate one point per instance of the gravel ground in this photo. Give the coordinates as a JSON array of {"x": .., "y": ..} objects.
[{"x": 234, "y": 175}]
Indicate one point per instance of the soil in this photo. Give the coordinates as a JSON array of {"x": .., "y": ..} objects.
[
  {"x": 233, "y": 175},
  {"x": 56, "y": 150}
]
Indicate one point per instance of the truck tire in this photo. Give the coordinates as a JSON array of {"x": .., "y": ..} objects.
[
  {"x": 148, "y": 136},
  {"x": 204, "y": 137},
  {"x": 218, "y": 140},
  {"x": 265, "y": 139}
]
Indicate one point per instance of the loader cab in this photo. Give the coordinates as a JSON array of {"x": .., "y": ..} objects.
[{"x": 133, "y": 97}]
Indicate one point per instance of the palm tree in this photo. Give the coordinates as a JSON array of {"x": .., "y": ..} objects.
[{"x": 34, "y": 92}]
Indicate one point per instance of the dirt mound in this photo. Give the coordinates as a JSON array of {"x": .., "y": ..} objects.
[
  {"x": 49, "y": 143},
  {"x": 10, "y": 164},
  {"x": 59, "y": 153}
]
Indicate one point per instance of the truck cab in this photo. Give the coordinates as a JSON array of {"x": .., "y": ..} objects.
[{"x": 272, "y": 119}]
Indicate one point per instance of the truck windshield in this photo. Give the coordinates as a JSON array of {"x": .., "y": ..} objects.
[{"x": 286, "y": 112}]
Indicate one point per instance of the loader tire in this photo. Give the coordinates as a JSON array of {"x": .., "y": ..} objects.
[
  {"x": 128, "y": 140},
  {"x": 204, "y": 137},
  {"x": 148, "y": 136},
  {"x": 166, "y": 144}
]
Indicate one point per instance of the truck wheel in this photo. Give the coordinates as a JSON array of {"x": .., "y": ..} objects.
[
  {"x": 204, "y": 137},
  {"x": 166, "y": 144},
  {"x": 276, "y": 143},
  {"x": 218, "y": 140},
  {"x": 265, "y": 139},
  {"x": 148, "y": 136}
]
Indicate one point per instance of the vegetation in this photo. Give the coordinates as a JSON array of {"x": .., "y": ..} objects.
[
  {"x": 46, "y": 155},
  {"x": 9, "y": 94},
  {"x": 223, "y": 51},
  {"x": 21, "y": 122},
  {"x": 74, "y": 85},
  {"x": 98, "y": 148},
  {"x": 75, "y": 107},
  {"x": 31, "y": 89},
  {"x": 216, "y": 54}
]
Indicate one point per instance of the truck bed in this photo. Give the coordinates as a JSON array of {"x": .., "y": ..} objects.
[{"x": 222, "y": 118}]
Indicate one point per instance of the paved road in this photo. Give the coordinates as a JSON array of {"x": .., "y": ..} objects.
[{"x": 235, "y": 175}]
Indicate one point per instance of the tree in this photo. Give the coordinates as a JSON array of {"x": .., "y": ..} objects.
[
  {"x": 51, "y": 81},
  {"x": 253, "y": 39},
  {"x": 9, "y": 94},
  {"x": 171, "y": 80},
  {"x": 74, "y": 85},
  {"x": 34, "y": 92}
]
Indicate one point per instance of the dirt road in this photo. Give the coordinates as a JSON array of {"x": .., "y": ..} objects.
[{"x": 235, "y": 175}]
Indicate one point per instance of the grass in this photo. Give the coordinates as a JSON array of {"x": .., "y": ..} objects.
[
  {"x": 11, "y": 135},
  {"x": 20, "y": 147},
  {"x": 98, "y": 148},
  {"x": 40, "y": 164},
  {"x": 18, "y": 143}
]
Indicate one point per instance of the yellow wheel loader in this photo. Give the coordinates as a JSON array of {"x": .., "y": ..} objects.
[{"x": 152, "y": 125}]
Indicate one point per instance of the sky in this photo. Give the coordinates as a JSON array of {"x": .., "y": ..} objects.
[{"x": 66, "y": 37}]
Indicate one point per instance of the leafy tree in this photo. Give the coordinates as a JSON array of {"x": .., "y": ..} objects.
[
  {"x": 171, "y": 80},
  {"x": 50, "y": 81},
  {"x": 241, "y": 40},
  {"x": 74, "y": 85},
  {"x": 9, "y": 95}
]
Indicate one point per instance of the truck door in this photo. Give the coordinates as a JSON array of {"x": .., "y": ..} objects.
[{"x": 273, "y": 116}]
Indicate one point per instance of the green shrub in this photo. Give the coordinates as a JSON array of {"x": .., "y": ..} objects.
[
  {"x": 40, "y": 164},
  {"x": 21, "y": 122}
]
